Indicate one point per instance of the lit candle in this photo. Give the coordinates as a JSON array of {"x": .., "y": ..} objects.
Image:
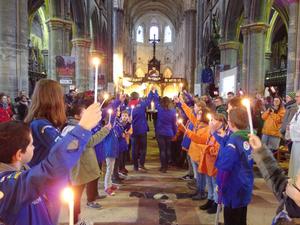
[
  {"x": 152, "y": 106},
  {"x": 181, "y": 86},
  {"x": 246, "y": 103},
  {"x": 177, "y": 115},
  {"x": 209, "y": 117},
  {"x": 68, "y": 197},
  {"x": 132, "y": 107},
  {"x": 106, "y": 96},
  {"x": 96, "y": 62},
  {"x": 179, "y": 121},
  {"x": 110, "y": 111}
]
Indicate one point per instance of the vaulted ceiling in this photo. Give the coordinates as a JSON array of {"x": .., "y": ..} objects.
[{"x": 172, "y": 9}]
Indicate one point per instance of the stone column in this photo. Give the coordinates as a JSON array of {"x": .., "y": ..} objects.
[
  {"x": 59, "y": 34},
  {"x": 45, "y": 53},
  {"x": 81, "y": 49},
  {"x": 190, "y": 46},
  {"x": 118, "y": 43},
  {"x": 229, "y": 53},
  {"x": 253, "y": 76},
  {"x": 292, "y": 46},
  {"x": 13, "y": 47},
  {"x": 268, "y": 58}
]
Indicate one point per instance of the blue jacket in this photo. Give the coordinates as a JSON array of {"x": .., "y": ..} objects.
[
  {"x": 139, "y": 120},
  {"x": 235, "y": 172},
  {"x": 25, "y": 192},
  {"x": 44, "y": 137},
  {"x": 166, "y": 120}
]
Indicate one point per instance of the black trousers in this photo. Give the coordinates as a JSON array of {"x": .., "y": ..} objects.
[
  {"x": 164, "y": 145},
  {"x": 91, "y": 193},
  {"x": 236, "y": 216},
  {"x": 122, "y": 160}
]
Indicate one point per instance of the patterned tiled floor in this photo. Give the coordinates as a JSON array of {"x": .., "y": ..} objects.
[{"x": 154, "y": 198}]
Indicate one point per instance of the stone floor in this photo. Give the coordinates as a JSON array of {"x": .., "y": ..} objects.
[{"x": 154, "y": 198}]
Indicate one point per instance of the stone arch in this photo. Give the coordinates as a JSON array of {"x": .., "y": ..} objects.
[{"x": 233, "y": 14}]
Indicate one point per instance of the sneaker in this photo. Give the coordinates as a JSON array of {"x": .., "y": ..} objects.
[
  {"x": 207, "y": 205},
  {"x": 213, "y": 209},
  {"x": 94, "y": 205},
  {"x": 110, "y": 192},
  {"x": 114, "y": 187},
  {"x": 187, "y": 177},
  {"x": 192, "y": 185},
  {"x": 125, "y": 170}
]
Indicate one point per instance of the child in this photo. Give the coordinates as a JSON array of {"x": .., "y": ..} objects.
[
  {"x": 24, "y": 191},
  {"x": 86, "y": 172},
  {"x": 124, "y": 140},
  {"x": 235, "y": 170}
]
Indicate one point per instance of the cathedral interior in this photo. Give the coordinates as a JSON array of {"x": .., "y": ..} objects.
[{"x": 203, "y": 45}]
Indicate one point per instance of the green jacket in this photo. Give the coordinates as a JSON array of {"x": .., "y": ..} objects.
[{"x": 87, "y": 168}]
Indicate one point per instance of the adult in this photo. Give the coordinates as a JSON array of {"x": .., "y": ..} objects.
[
  {"x": 140, "y": 129},
  {"x": 287, "y": 192},
  {"x": 22, "y": 107},
  {"x": 5, "y": 109},
  {"x": 230, "y": 95},
  {"x": 290, "y": 110},
  {"x": 221, "y": 108},
  {"x": 272, "y": 122},
  {"x": 165, "y": 129},
  {"x": 294, "y": 129}
]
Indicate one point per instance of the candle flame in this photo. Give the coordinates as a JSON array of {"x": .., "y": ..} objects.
[
  {"x": 106, "y": 96},
  {"x": 96, "y": 61},
  {"x": 209, "y": 117},
  {"x": 246, "y": 102},
  {"x": 132, "y": 107},
  {"x": 180, "y": 121},
  {"x": 67, "y": 195},
  {"x": 110, "y": 111},
  {"x": 181, "y": 85}
]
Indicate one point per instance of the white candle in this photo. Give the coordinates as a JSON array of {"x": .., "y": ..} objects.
[
  {"x": 177, "y": 115},
  {"x": 96, "y": 62},
  {"x": 110, "y": 111},
  {"x": 181, "y": 86},
  {"x": 68, "y": 197},
  {"x": 132, "y": 107},
  {"x": 106, "y": 96},
  {"x": 246, "y": 103}
]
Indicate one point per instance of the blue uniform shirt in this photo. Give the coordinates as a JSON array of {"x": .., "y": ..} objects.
[
  {"x": 235, "y": 160},
  {"x": 25, "y": 192},
  {"x": 139, "y": 120}
]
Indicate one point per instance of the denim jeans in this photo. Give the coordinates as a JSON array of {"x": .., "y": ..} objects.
[
  {"x": 211, "y": 187},
  {"x": 110, "y": 162},
  {"x": 200, "y": 179},
  {"x": 139, "y": 149},
  {"x": 271, "y": 142},
  {"x": 164, "y": 145}
]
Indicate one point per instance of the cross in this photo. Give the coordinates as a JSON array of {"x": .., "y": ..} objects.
[{"x": 154, "y": 41}]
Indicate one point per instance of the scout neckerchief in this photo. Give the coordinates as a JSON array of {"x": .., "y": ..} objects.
[{"x": 243, "y": 134}]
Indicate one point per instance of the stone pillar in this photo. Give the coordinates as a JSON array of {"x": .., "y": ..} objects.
[
  {"x": 81, "y": 49},
  {"x": 292, "y": 82},
  {"x": 229, "y": 53},
  {"x": 59, "y": 34},
  {"x": 253, "y": 76},
  {"x": 13, "y": 47},
  {"x": 268, "y": 58},
  {"x": 45, "y": 53},
  {"x": 118, "y": 44},
  {"x": 190, "y": 46}
]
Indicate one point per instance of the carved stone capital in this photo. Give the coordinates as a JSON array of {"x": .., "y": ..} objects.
[
  {"x": 55, "y": 23},
  {"x": 255, "y": 27},
  {"x": 229, "y": 45},
  {"x": 82, "y": 42}
]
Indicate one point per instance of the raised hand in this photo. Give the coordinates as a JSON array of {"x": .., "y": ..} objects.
[
  {"x": 108, "y": 126},
  {"x": 91, "y": 116}
]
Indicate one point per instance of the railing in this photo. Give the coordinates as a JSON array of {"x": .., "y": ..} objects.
[{"x": 277, "y": 77}]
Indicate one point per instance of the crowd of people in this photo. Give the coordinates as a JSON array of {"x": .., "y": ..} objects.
[{"x": 66, "y": 139}]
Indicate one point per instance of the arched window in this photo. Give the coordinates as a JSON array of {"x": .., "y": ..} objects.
[
  {"x": 140, "y": 34},
  {"x": 154, "y": 31},
  {"x": 168, "y": 34}
]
